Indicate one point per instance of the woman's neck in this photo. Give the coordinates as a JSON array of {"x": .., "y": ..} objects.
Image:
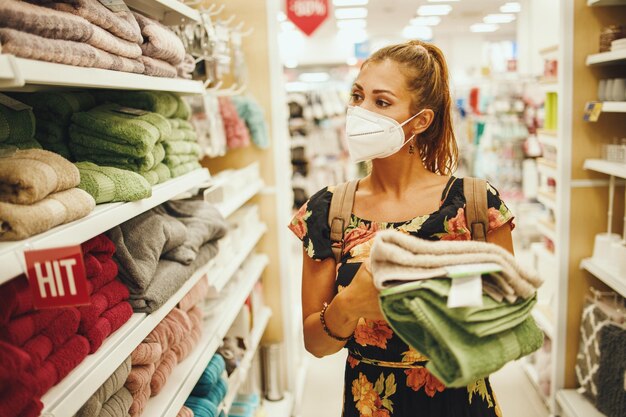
[{"x": 396, "y": 175}]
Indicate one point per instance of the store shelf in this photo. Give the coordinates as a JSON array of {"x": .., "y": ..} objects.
[
  {"x": 103, "y": 218},
  {"x": 548, "y": 140},
  {"x": 168, "y": 12},
  {"x": 280, "y": 408},
  {"x": 18, "y": 74},
  {"x": 548, "y": 199},
  {"x": 607, "y": 58},
  {"x": 533, "y": 377},
  {"x": 227, "y": 208},
  {"x": 547, "y": 229},
  {"x": 240, "y": 374},
  {"x": 547, "y": 168},
  {"x": 609, "y": 277},
  {"x": 605, "y": 167},
  {"x": 545, "y": 319},
  {"x": 614, "y": 107},
  {"x": 594, "y": 3},
  {"x": 548, "y": 132},
  {"x": 186, "y": 374},
  {"x": 574, "y": 404}
]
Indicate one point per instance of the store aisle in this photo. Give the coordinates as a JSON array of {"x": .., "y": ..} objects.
[{"x": 323, "y": 390}]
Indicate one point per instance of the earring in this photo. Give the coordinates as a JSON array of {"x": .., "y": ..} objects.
[{"x": 412, "y": 147}]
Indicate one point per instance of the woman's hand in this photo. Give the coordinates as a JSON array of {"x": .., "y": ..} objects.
[{"x": 361, "y": 296}]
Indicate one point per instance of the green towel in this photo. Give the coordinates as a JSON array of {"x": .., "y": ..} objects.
[
  {"x": 58, "y": 107},
  {"x": 16, "y": 126},
  {"x": 163, "y": 103},
  {"x": 100, "y": 144},
  {"x": 183, "y": 110},
  {"x": 26, "y": 143},
  {"x": 181, "y": 124},
  {"x": 183, "y": 169},
  {"x": 135, "y": 164},
  {"x": 51, "y": 132},
  {"x": 182, "y": 148},
  {"x": 59, "y": 148},
  {"x": 151, "y": 176},
  {"x": 109, "y": 184},
  {"x": 456, "y": 357},
  {"x": 174, "y": 160},
  {"x": 163, "y": 172}
]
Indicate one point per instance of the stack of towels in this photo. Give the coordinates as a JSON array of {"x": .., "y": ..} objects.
[
  {"x": 110, "y": 185},
  {"x": 108, "y": 307},
  {"x": 159, "y": 250},
  {"x": 75, "y": 32},
  {"x": 17, "y": 126},
  {"x": 112, "y": 399},
  {"x": 252, "y": 113},
  {"x": 210, "y": 390},
  {"x": 237, "y": 134},
  {"x": 125, "y": 138},
  {"x": 182, "y": 150},
  {"x": 163, "y": 51},
  {"x": 463, "y": 344},
  {"x": 37, "y": 349},
  {"x": 38, "y": 192},
  {"x": 155, "y": 358}
]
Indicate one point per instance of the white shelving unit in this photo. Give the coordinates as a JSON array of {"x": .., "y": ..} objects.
[
  {"x": 168, "y": 12},
  {"x": 186, "y": 374},
  {"x": 598, "y": 3},
  {"x": 606, "y": 167},
  {"x": 240, "y": 374},
  {"x": 280, "y": 408},
  {"x": 27, "y": 74},
  {"x": 607, "y": 58},
  {"x": 547, "y": 198},
  {"x": 227, "y": 208},
  {"x": 614, "y": 107},
  {"x": 547, "y": 168},
  {"x": 547, "y": 230},
  {"x": 609, "y": 277},
  {"x": 543, "y": 316},
  {"x": 574, "y": 404},
  {"x": 103, "y": 218},
  {"x": 547, "y": 139}
]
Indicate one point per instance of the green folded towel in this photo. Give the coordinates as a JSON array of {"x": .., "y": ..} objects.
[
  {"x": 58, "y": 148},
  {"x": 16, "y": 125},
  {"x": 163, "y": 103},
  {"x": 151, "y": 176},
  {"x": 183, "y": 110},
  {"x": 456, "y": 357},
  {"x": 163, "y": 172},
  {"x": 25, "y": 143},
  {"x": 183, "y": 169},
  {"x": 109, "y": 184},
  {"x": 181, "y": 124},
  {"x": 101, "y": 144},
  {"x": 135, "y": 164},
  {"x": 51, "y": 132},
  {"x": 174, "y": 160},
  {"x": 182, "y": 147},
  {"x": 58, "y": 107}
]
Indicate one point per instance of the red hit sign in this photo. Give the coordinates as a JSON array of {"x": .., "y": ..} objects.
[
  {"x": 307, "y": 15},
  {"x": 57, "y": 277}
]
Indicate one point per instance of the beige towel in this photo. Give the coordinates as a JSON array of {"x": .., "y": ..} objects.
[
  {"x": 111, "y": 386},
  {"x": 185, "y": 412},
  {"x": 396, "y": 255},
  {"x": 158, "y": 68},
  {"x": 28, "y": 176},
  {"x": 19, "y": 221},
  {"x": 108, "y": 42},
  {"x": 159, "y": 41}
]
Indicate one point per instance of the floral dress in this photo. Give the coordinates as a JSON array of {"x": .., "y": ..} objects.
[{"x": 384, "y": 377}]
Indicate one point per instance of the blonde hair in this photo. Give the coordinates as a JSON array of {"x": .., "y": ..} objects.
[{"x": 426, "y": 75}]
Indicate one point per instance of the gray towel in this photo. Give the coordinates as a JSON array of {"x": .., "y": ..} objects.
[
  {"x": 204, "y": 223},
  {"x": 111, "y": 386},
  {"x": 118, "y": 405}
]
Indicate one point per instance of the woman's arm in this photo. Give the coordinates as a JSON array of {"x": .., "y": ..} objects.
[{"x": 502, "y": 237}]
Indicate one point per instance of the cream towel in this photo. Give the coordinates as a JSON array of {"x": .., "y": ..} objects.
[
  {"x": 159, "y": 41},
  {"x": 158, "y": 68},
  {"x": 28, "y": 176},
  {"x": 397, "y": 256},
  {"x": 20, "y": 221}
]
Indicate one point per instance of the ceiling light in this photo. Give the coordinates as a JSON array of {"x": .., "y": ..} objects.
[
  {"x": 425, "y": 21},
  {"x": 351, "y": 13},
  {"x": 352, "y": 35},
  {"x": 352, "y": 24},
  {"x": 499, "y": 18},
  {"x": 434, "y": 10},
  {"x": 511, "y": 7},
  {"x": 442, "y": 1},
  {"x": 424, "y": 33},
  {"x": 281, "y": 16},
  {"x": 352, "y": 61},
  {"x": 483, "y": 27},
  {"x": 287, "y": 26},
  {"x": 291, "y": 63},
  {"x": 344, "y": 3},
  {"x": 314, "y": 77}
]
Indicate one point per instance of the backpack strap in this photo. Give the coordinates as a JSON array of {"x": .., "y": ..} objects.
[
  {"x": 339, "y": 215},
  {"x": 476, "y": 208}
]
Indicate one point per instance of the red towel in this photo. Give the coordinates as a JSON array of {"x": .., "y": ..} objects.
[
  {"x": 63, "y": 327},
  {"x": 17, "y": 397},
  {"x": 61, "y": 363},
  {"x": 33, "y": 409},
  {"x": 24, "y": 327},
  {"x": 96, "y": 335},
  {"x": 93, "y": 267},
  {"x": 118, "y": 315},
  {"x": 99, "y": 245},
  {"x": 108, "y": 274},
  {"x": 90, "y": 314},
  {"x": 15, "y": 299},
  {"x": 46, "y": 376},
  {"x": 115, "y": 293},
  {"x": 39, "y": 348},
  {"x": 13, "y": 361}
]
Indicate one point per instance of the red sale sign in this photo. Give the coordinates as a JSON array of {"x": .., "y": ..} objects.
[
  {"x": 307, "y": 15},
  {"x": 57, "y": 277}
]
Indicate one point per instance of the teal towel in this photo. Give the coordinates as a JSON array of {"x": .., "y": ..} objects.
[
  {"x": 183, "y": 169},
  {"x": 16, "y": 126},
  {"x": 456, "y": 357},
  {"x": 182, "y": 148},
  {"x": 210, "y": 376},
  {"x": 109, "y": 184},
  {"x": 175, "y": 160},
  {"x": 201, "y": 407},
  {"x": 250, "y": 111},
  {"x": 58, "y": 107},
  {"x": 164, "y": 103},
  {"x": 135, "y": 164}
]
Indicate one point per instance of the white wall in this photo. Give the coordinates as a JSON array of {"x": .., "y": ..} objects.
[{"x": 537, "y": 28}]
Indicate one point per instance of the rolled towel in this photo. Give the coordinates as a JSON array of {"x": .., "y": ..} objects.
[
  {"x": 111, "y": 386},
  {"x": 201, "y": 407},
  {"x": 183, "y": 169},
  {"x": 107, "y": 297},
  {"x": 120, "y": 23},
  {"x": 140, "y": 399},
  {"x": 160, "y": 42},
  {"x": 163, "y": 371},
  {"x": 161, "y": 102},
  {"x": 185, "y": 412},
  {"x": 182, "y": 147},
  {"x": 157, "y": 68},
  {"x": 118, "y": 315},
  {"x": 98, "y": 246},
  {"x": 16, "y": 124},
  {"x": 147, "y": 353},
  {"x": 254, "y": 117},
  {"x": 19, "y": 330},
  {"x": 19, "y": 222},
  {"x": 28, "y": 176},
  {"x": 109, "y": 185},
  {"x": 197, "y": 294},
  {"x": 64, "y": 360},
  {"x": 139, "y": 377},
  {"x": 118, "y": 405},
  {"x": 15, "y": 299}
]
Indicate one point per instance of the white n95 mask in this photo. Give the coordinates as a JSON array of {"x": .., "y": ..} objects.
[{"x": 371, "y": 135}]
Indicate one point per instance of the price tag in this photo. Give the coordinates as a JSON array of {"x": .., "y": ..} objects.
[
  {"x": 466, "y": 292},
  {"x": 115, "y": 5},
  {"x": 13, "y": 104},
  {"x": 131, "y": 111},
  {"x": 57, "y": 277},
  {"x": 593, "y": 109}
]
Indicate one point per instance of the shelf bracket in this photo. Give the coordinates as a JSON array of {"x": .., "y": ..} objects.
[{"x": 16, "y": 79}]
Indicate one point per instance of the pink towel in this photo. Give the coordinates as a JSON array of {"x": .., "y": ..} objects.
[
  {"x": 140, "y": 399},
  {"x": 157, "y": 68},
  {"x": 160, "y": 42},
  {"x": 108, "y": 42},
  {"x": 237, "y": 134},
  {"x": 195, "y": 295},
  {"x": 22, "y": 328},
  {"x": 15, "y": 299},
  {"x": 146, "y": 353},
  {"x": 186, "y": 346},
  {"x": 139, "y": 377},
  {"x": 185, "y": 412},
  {"x": 163, "y": 371}
]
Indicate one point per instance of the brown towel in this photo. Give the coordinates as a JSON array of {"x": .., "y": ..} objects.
[
  {"x": 185, "y": 412},
  {"x": 108, "y": 42},
  {"x": 122, "y": 24},
  {"x": 28, "y": 176},
  {"x": 20, "y": 221},
  {"x": 158, "y": 68},
  {"x": 195, "y": 295},
  {"x": 163, "y": 371},
  {"x": 110, "y": 388},
  {"x": 159, "y": 41},
  {"x": 146, "y": 353}
]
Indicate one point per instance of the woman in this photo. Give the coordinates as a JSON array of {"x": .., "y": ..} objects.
[{"x": 411, "y": 190}]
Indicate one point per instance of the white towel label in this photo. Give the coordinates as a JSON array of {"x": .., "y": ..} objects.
[
  {"x": 466, "y": 292},
  {"x": 115, "y": 5}
]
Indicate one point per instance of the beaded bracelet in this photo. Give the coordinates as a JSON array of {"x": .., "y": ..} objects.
[{"x": 327, "y": 330}]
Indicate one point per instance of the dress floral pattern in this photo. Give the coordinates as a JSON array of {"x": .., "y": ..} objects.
[{"x": 385, "y": 377}]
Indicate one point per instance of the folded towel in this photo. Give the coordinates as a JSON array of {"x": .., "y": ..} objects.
[
  {"x": 182, "y": 147},
  {"x": 183, "y": 169},
  {"x": 161, "y": 102},
  {"x": 97, "y": 333},
  {"x": 185, "y": 412},
  {"x": 28, "y": 176},
  {"x": 201, "y": 407},
  {"x": 58, "y": 148},
  {"x": 237, "y": 135},
  {"x": 108, "y": 42},
  {"x": 120, "y": 23},
  {"x": 94, "y": 150},
  {"x": 178, "y": 160},
  {"x": 39, "y": 348},
  {"x": 184, "y": 348},
  {"x": 118, "y": 315},
  {"x": 19, "y": 398},
  {"x": 396, "y": 255},
  {"x": 62, "y": 362},
  {"x": 151, "y": 177},
  {"x": 183, "y": 110},
  {"x": 163, "y": 371},
  {"x": 56, "y": 108},
  {"x": 197, "y": 294},
  {"x": 19, "y": 221},
  {"x": 105, "y": 298},
  {"x": 19, "y": 330},
  {"x": 24, "y": 143},
  {"x": 140, "y": 242},
  {"x": 140, "y": 399},
  {"x": 111, "y": 386},
  {"x": 33, "y": 409},
  {"x": 15, "y": 298},
  {"x": 98, "y": 246},
  {"x": 139, "y": 377},
  {"x": 16, "y": 124},
  {"x": 203, "y": 222},
  {"x": 147, "y": 353},
  {"x": 181, "y": 123},
  {"x": 456, "y": 357},
  {"x": 179, "y": 324},
  {"x": 218, "y": 391},
  {"x": 186, "y": 68},
  {"x": 118, "y": 405},
  {"x": 51, "y": 133},
  {"x": 109, "y": 185},
  {"x": 157, "y": 68},
  {"x": 163, "y": 172},
  {"x": 13, "y": 361},
  {"x": 160, "y": 42},
  {"x": 249, "y": 110},
  {"x": 210, "y": 376},
  {"x": 108, "y": 273}
]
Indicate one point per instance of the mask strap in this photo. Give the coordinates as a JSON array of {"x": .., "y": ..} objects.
[{"x": 412, "y": 117}]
